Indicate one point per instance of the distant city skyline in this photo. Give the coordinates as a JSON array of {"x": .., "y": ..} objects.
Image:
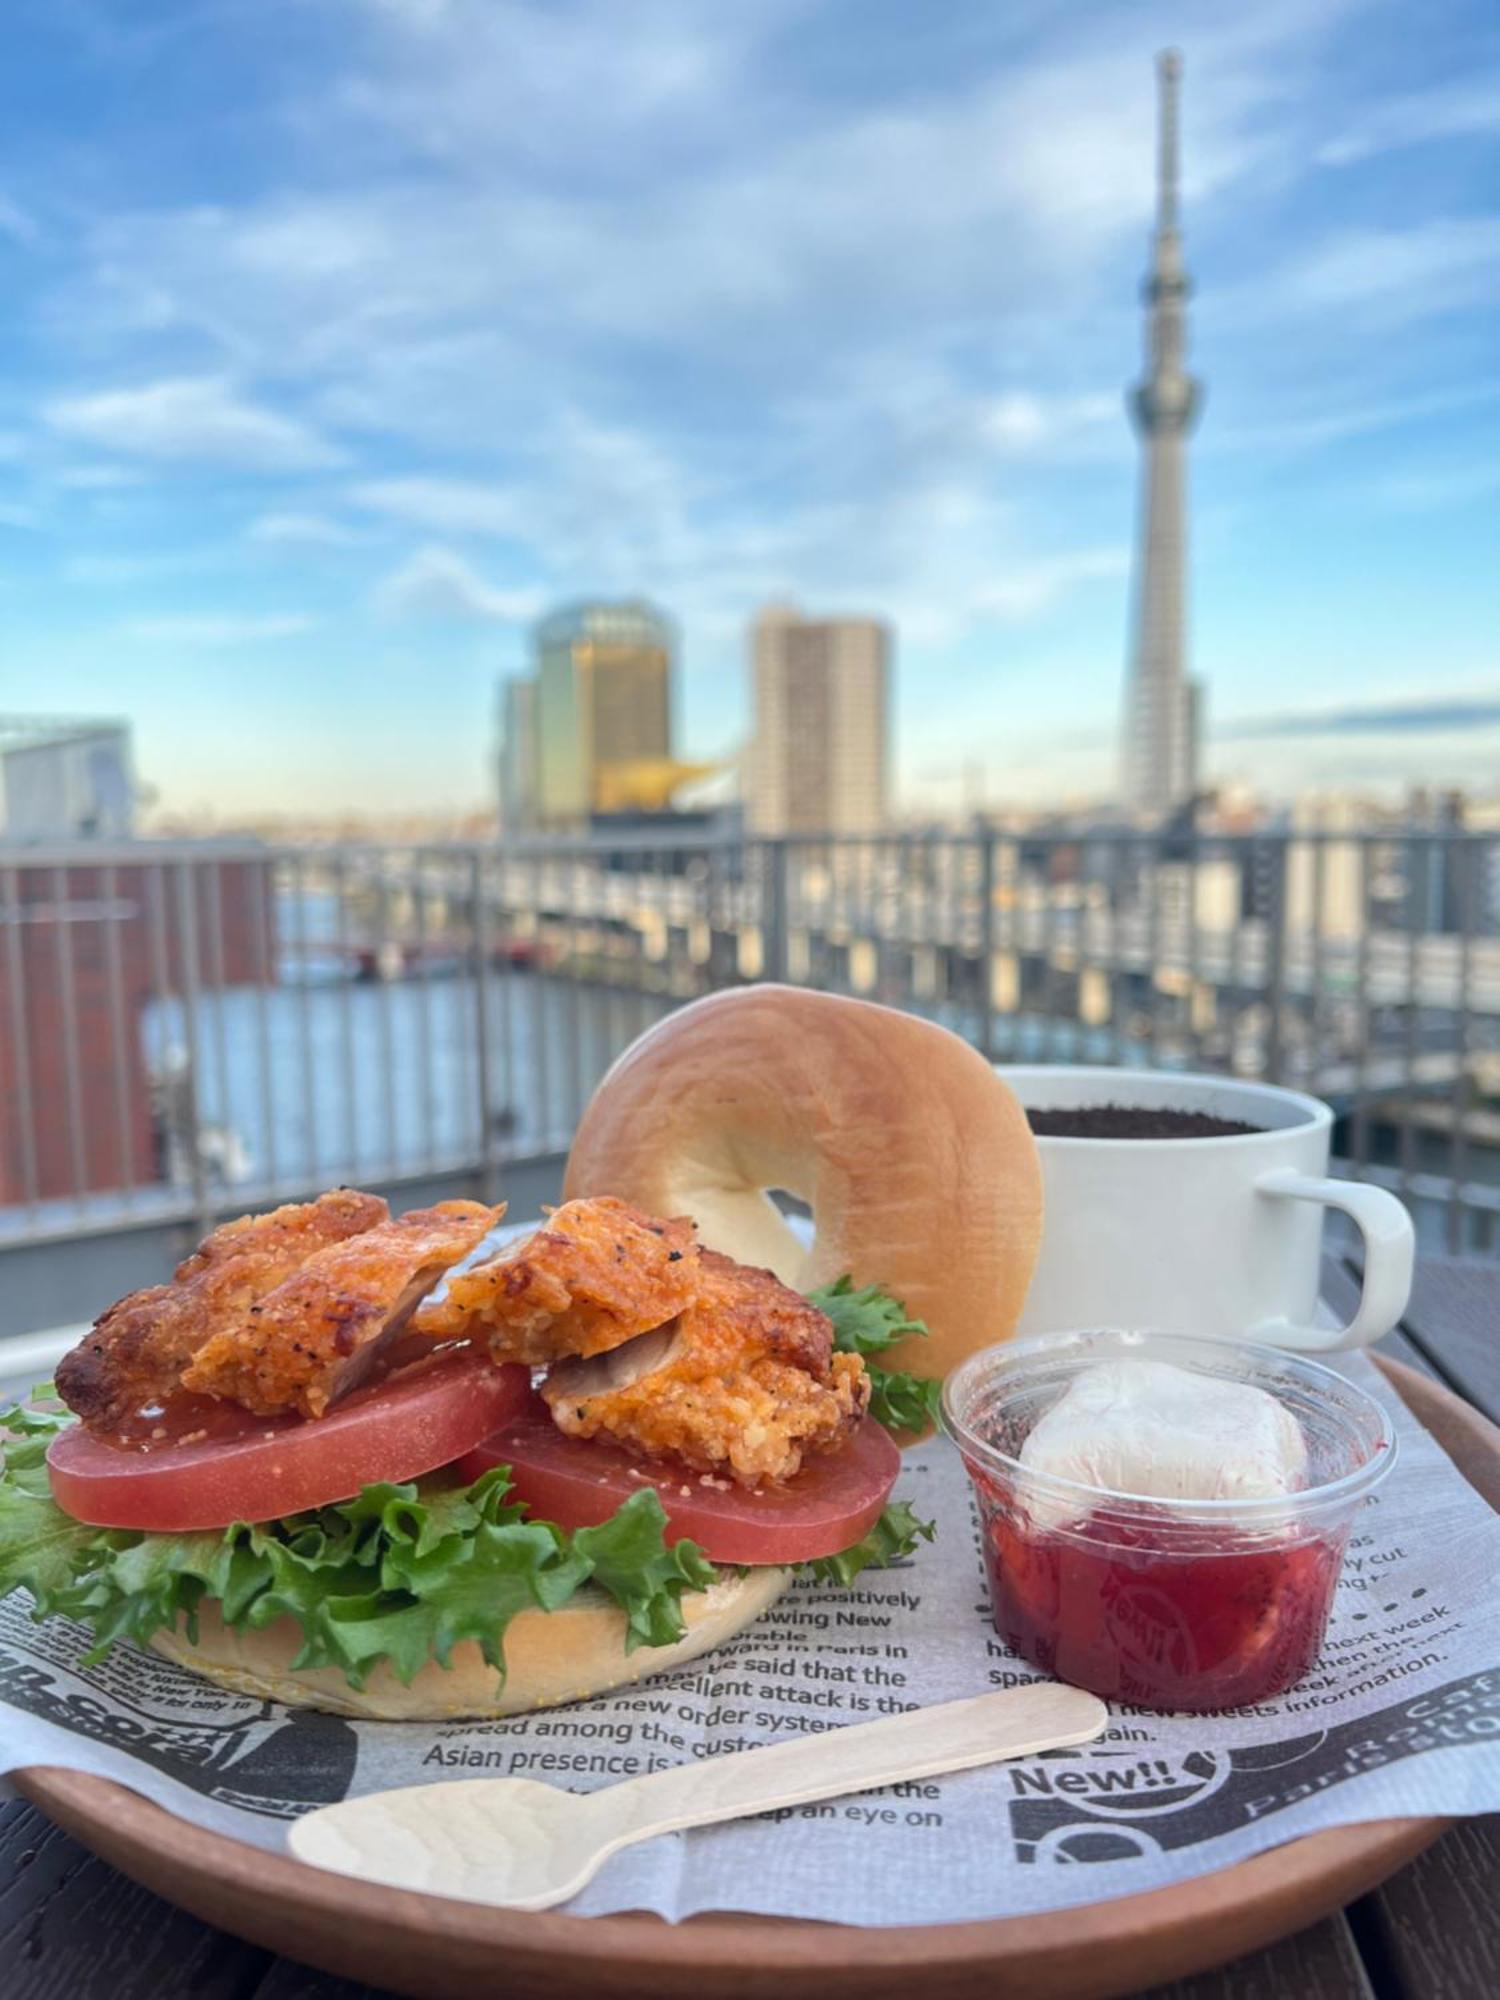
[{"x": 335, "y": 349}]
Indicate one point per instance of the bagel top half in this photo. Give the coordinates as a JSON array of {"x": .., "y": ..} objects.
[{"x": 916, "y": 1160}]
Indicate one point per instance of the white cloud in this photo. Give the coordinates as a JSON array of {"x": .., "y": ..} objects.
[
  {"x": 1422, "y": 489},
  {"x": 1335, "y": 419},
  {"x": 778, "y": 234},
  {"x": 413, "y": 13},
  {"x": 436, "y": 583},
  {"x": 17, "y": 223},
  {"x": 449, "y": 506},
  {"x": 1026, "y": 589},
  {"x": 302, "y": 531},
  {"x": 110, "y": 571},
  {"x": 187, "y": 419},
  {"x": 98, "y": 478},
  {"x": 1022, "y": 421},
  {"x": 456, "y": 78},
  {"x": 1398, "y": 274},
  {"x": 228, "y": 630},
  {"x": 1459, "y": 110}
]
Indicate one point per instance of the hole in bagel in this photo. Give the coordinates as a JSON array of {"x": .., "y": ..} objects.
[
  {"x": 796, "y": 1213},
  {"x": 758, "y": 1222}
]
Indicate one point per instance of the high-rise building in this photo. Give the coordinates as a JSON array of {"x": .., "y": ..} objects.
[
  {"x": 1441, "y": 885},
  {"x": 602, "y": 707},
  {"x": 820, "y": 746},
  {"x": 1163, "y": 706},
  {"x": 1327, "y": 888}
]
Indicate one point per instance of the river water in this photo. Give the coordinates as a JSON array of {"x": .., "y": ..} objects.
[
  {"x": 322, "y": 1079},
  {"x": 330, "y": 1081}
]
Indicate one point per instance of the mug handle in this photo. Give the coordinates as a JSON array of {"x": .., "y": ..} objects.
[{"x": 1390, "y": 1253}]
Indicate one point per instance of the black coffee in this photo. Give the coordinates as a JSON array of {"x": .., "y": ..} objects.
[{"x": 1133, "y": 1121}]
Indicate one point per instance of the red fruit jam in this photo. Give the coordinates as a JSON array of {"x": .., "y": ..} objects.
[{"x": 1193, "y": 1618}]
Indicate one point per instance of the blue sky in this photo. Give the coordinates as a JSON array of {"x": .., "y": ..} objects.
[{"x": 340, "y": 337}]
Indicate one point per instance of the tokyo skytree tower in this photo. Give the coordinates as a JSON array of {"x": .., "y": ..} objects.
[{"x": 1162, "y": 719}]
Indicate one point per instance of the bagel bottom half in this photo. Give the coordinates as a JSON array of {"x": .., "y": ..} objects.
[{"x": 550, "y": 1657}]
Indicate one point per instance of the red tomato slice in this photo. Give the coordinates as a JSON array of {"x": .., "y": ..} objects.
[
  {"x": 832, "y": 1503},
  {"x": 413, "y": 1421}
]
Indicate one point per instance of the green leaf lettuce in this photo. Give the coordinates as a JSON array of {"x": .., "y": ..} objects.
[
  {"x": 866, "y": 1321},
  {"x": 400, "y": 1573},
  {"x": 893, "y": 1539}
]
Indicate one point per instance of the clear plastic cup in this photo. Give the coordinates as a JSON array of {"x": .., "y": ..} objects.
[{"x": 1169, "y": 1604}]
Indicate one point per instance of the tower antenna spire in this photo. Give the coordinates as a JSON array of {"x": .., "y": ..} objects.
[{"x": 1168, "y": 78}]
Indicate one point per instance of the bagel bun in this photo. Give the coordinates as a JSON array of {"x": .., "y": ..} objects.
[
  {"x": 551, "y": 1657},
  {"x": 916, "y": 1160}
]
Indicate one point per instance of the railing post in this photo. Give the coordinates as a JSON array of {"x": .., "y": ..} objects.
[
  {"x": 12, "y": 913},
  {"x": 773, "y": 915},
  {"x": 987, "y": 944},
  {"x": 187, "y": 959},
  {"x": 1276, "y": 915},
  {"x": 479, "y": 931},
  {"x": 1462, "y": 1101},
  {"x": 718, "y": 899}
]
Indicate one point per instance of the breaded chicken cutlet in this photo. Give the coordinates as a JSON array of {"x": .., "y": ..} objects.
[
  {"x": 659, "y": 1345},
  {"x": 652, "y": 1342},
  {"x": 319, "y": 1334},
  {"x": 287, "y": 1309},
  {"x": 136, "y": 1352},
  {"x": 595, "y": 1274},
  {"x": 744, "y": 1382}
]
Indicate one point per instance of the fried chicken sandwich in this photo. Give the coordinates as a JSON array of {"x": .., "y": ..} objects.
[
  {"x": 386, "y": 1466},
  {"x": 594, "y": 1454}
]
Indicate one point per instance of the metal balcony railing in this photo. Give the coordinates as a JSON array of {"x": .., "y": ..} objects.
[{"x": 191, "y": 1030}]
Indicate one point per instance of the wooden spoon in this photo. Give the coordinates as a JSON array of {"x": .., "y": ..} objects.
[{"x": 527, "y": 1846}]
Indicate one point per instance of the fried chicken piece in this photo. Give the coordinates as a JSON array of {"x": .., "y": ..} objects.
[
  {"x": 745, "y": 1382},
  {"x": 597, "y": 1273},
  {"x": 315, "y": 1337},
  {"x": 135, "y": 1353}
]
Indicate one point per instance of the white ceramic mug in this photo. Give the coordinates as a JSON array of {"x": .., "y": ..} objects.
[{"x": 1221, "y": 1237}]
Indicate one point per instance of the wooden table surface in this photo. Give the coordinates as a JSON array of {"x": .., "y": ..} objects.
[{"x": 73, "y": 1929}]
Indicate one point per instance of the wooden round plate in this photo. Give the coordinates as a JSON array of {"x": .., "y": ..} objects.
[{"x": 426, "y": 1946}]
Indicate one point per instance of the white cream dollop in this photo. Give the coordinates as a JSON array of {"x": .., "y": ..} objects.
[{"x": 1149, "y": 1428}]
